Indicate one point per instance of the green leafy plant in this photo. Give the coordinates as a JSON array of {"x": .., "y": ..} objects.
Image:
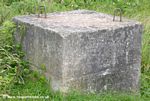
[
  {"x": 4, "y": 13},
  {"x": 12, "y": 66}
]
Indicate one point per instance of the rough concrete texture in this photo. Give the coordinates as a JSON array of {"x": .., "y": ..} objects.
[{"x": 83, "y": 50}]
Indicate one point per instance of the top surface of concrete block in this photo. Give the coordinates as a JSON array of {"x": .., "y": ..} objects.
[{"x": 69, "y": 22}]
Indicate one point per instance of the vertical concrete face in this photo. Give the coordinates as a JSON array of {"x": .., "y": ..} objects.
[{"x": 84, "y": 50}]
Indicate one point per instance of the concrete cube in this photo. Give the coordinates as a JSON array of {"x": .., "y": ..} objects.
[{"x": 83, "y": 50}]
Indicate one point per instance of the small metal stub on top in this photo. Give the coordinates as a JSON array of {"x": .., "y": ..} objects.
[
  {"x": 115, "y": 13},
  {"x": 42, "y": 8}
]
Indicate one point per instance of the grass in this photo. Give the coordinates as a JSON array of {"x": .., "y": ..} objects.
[{"x": 36, "y": 85}]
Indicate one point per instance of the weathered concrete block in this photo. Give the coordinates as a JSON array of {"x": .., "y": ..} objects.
[{"x": 83, "y": 50}]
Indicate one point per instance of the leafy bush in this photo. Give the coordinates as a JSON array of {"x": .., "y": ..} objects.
[
  {"x": 4, "y": 13},
  {"x": 12, "y": 66},
  {"x": 9, "y": 2}
]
